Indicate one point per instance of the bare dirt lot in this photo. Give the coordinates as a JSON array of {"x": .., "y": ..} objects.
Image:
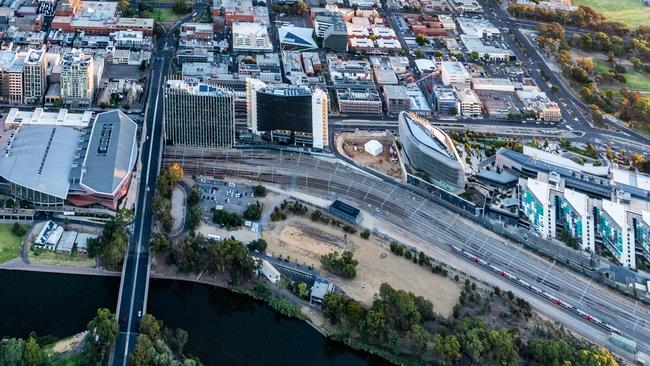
[
  {"x": 305, "y": 241},
  {"x": 352, "y": 145}
]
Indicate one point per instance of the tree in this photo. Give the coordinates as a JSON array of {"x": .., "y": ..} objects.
[
  {"x": 180, "y": 340},
  {"x": 447, "y": 348},
  {"x": 375, "y": 326},
  {"x": 159, "y": 243},
  {"x": 32, "y": 354},
  {"x": 113, "y": 252},
  {"x": 142, "y": 352},
  {"x": 258, "y": 245},
  {"x": 227, "y": 219},
  {"x": 421, "y": 40},
  {"x": 418, "y": 54},
  {"x": 365, "y": 234},
  {"x": 175, "y": 171},
  {"x": 259, "y": 190},
  {"x": 104, "y": 326},
  {"x": 194, "y": 217},
  {"x": 419, "y": 338},
  {"x": 11, "y": 351},
  {"x": 180, "y": 7},
  {"x": 253, "y": 212},
  {"x": 343, "y": 265},
  {"x": 149, "y": 326},
  {"x": 194, "y": 197},
  {"x": 301, "y": 290},
  {"x": 18, "y": 229}
]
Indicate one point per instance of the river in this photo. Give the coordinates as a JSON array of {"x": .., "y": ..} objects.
[{"x": 224, "y": 328}]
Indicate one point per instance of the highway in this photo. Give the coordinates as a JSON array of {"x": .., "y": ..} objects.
[
  {"x": 433, "y": 224},
  {"x": 135, "y": 275}
]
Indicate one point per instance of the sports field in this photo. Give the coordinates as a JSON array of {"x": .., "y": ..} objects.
[{"x": 632, "y": 12}]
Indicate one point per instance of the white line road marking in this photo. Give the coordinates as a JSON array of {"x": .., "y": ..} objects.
[{"x": 144, "y": 204}]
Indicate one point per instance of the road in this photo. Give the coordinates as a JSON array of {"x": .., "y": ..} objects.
[
  {"x": 432, "y": 224},
  {"x": 135, "y": 276}
]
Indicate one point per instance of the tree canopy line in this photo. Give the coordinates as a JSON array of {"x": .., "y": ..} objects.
[
  {"x": 404, "y": 327},
  {"x": 195, "y": 253},
  {"x": 161, "y": 204},
  {"x": 111, "y": 245},
  {"x": 159, "y": 345}
]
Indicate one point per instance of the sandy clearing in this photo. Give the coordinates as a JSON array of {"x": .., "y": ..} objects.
[{"x": 305, "y": 241}]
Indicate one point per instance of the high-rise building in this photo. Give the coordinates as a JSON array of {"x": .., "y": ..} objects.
[
  {"x": 431, "y": 151},
  {"x": 290, "y": 114},
  {"x": 200, "y": 115},
  {"x": 77, "y": 78},
  {"x": 35, "y": 75}
]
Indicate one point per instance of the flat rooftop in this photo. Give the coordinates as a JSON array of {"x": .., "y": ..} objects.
[{"x": 39, "y": 116}]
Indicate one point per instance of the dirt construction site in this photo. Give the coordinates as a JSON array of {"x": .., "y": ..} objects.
[
  {"x": 387, "y": 161},
  {"x": 304, "y": 241}
]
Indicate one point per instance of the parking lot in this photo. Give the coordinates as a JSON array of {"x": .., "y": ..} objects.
[{"x": 228, "y": 196}]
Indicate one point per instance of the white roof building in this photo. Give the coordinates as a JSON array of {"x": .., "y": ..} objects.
[
  {"x": 452, "y": 72},
  {"x": 271, "y": 274},
  {"x": 251, "y": 37},
  {"x": 38, "y": 116},
  {"x": 373, "y": 147},
  {"x": 477, "y": 27}
]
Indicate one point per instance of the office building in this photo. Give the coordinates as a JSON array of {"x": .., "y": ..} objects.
[
  {"x": 77, "y": 78},
  {"x": 252, "y": 37},
  {"x": 470, "y": 104},
  {"x": 289, "y": 114},
  {"x": 431, "y": 151},
  {"x": 359, "y": 100},
  {"x": 199, "y": 115},
  {"x": 330, "y": 26},
  {"x": 396, "y": 99},
  {"x": 444, "y": 101},
  {"x": 453, "y": 72},
  {"x": 35, "y": 75}
]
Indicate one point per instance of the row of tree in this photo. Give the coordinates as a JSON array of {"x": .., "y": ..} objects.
[
  {"x": 195, "y": 254},
  {"x": 583, "y": 17},
  {"x": 111, "y": 245},
  {"x": 161, "y": 204},
  {"x": 159, "y": 345},
  {"x": 403, "y": 323}
]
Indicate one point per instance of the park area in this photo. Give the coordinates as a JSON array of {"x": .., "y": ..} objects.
[
  {"x": 632, "y": 12},
  {"x": 9, "y": 243},
  {"x": 635, "y": 80},
  {"x": 305, "y": 241}
]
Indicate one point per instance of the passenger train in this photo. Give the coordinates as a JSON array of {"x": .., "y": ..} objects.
[{"x": 537, "y": 290}]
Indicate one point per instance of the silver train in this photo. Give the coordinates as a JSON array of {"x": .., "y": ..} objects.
[{"x": 537, "y": 290}]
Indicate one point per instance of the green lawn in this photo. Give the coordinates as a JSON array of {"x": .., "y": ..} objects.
[
  {"x": 9, "y": 243},
  {"x": 635, "y": 79},
  {"x": 631, "y": 12},
  {"x": 163, "y": 15}
]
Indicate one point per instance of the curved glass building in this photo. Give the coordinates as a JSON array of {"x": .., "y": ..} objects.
[{"x": 431, "y": 151}]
